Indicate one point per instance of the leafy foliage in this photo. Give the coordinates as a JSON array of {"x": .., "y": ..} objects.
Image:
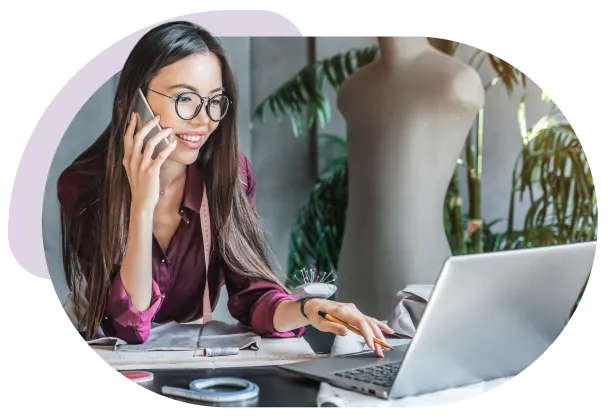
[
  {"x": 318, "y": 229},
  {"x": 304, "y": 93}
]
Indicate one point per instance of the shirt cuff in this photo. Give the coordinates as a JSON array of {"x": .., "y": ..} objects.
[
  {"x": 263, "y": 317},
  {"x": 124, "y": 315}
]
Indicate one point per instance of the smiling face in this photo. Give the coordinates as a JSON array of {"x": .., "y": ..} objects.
[{"x": 199, "y": 73}]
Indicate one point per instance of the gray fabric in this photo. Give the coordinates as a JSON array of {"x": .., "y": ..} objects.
[
  {"x": 175, "y": 336},
  {"x": 410, "y": 304}
]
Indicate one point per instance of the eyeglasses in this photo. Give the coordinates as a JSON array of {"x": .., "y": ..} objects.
[{"x": 189, "y": 104}]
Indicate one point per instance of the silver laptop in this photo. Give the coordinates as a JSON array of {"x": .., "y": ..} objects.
[{"x": 489, "y": 316}]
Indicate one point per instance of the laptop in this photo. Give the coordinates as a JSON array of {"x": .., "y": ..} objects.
[{"x": 490, "y": 316}]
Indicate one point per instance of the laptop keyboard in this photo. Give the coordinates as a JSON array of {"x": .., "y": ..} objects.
[{"x": 382, "y": 375}]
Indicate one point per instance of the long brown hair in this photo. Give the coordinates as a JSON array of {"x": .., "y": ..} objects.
[{"x": 238, "y": 237}]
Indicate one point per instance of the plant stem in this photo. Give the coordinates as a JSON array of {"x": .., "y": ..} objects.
[
  {"x": 477, "y": 237},
  {"x": 511, "y": 221},
  {"x": 474, "y": 190},
  {"x": 457, "y": 213}
]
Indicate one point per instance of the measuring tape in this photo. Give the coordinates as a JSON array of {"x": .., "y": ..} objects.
[{"x": 199, "y": 390}]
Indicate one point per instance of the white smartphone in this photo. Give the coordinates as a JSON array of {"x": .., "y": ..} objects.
[{"x": 145, "y": 114}]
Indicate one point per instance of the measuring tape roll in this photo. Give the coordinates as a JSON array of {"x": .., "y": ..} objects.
[{"x": 200, "y": 390}]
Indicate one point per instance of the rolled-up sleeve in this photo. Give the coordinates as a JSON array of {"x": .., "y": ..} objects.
[
  {"x": 253, "y": 302},
  {"x": 121, "y": 319}
]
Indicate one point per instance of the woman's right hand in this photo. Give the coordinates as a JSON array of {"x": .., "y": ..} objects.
[{"x": 143, "y": 171}]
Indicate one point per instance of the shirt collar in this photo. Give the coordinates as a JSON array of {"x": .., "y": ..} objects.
[{"x": 193, "y": 190}]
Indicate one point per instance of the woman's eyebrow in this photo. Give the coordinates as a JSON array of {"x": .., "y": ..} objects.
[
  {"x": 184, "y": 86},
  {"x": 192, "y": 88}
]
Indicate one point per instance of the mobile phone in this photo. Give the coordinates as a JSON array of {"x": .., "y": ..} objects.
[{"x": 145, "y": 114}]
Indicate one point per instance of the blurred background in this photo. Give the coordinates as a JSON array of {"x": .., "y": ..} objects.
[{"x": 522, "y": 181}]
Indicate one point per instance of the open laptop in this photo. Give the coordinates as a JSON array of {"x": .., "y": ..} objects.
[{"x": 490, "y": 316}]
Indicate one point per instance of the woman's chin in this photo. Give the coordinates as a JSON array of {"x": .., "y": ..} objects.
[{"x": 185, "y": 157}]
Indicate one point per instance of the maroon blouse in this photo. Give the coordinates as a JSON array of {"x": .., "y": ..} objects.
[{"x": 178, "y": 275}]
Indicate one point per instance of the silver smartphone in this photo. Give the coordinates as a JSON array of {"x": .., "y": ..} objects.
[{"x": 145, "y": 114}]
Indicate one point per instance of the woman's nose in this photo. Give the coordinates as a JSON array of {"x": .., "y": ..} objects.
[{"x": 202, "y": 117}]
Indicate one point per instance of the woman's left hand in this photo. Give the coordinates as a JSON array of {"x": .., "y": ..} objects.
[{"x": 348, "y": 313}]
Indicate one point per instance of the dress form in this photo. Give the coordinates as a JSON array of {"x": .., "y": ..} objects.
[{"x": 407, "y": 117}]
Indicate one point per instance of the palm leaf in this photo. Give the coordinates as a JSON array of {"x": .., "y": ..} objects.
[
  {"x": 552, "y": 161},
  {"x": 509, "y": 75},
  {"x": 337, "y": 140},
  {"x": 305, "y": 92}
]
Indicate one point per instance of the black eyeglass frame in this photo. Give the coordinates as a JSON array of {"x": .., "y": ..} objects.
[{"x": 202, "y": 98}]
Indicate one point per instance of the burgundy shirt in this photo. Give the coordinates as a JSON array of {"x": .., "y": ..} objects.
[{"x": 178, "y": 274}]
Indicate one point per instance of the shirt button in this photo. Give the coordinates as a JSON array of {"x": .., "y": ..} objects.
[
  {"x": 162, "y": 261},
  {"x": 187, "y": 221},
  {"x": 181, "y": 211}
]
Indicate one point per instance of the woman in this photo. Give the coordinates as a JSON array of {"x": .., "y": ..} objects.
[{"x": 133, "y": 246}]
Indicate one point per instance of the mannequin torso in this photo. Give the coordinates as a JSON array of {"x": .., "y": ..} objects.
[{"x": 407, "y": 115}]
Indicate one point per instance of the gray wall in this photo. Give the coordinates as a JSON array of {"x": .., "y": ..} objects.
[{"x": 280, "y": 162}]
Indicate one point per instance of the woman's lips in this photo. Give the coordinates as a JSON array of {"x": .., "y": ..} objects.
[{"x": 192, "y": 141}]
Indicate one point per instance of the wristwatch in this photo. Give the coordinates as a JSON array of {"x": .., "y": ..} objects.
[{"x": 302, "y": 302}]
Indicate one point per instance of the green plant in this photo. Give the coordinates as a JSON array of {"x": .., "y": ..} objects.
[
  {"x": 304, "y": 93},
  {"x": 477, "y": 236},
  {"x": 553, "y": 172},
  {"x": 317, "y": 231}
]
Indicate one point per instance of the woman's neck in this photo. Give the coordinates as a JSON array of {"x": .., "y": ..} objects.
[
  {"x": 396, "y": 49},
  {"x": 171, "y": 171}
]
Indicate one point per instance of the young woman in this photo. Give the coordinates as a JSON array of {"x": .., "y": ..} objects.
[{"x": 133, "y": 226}]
